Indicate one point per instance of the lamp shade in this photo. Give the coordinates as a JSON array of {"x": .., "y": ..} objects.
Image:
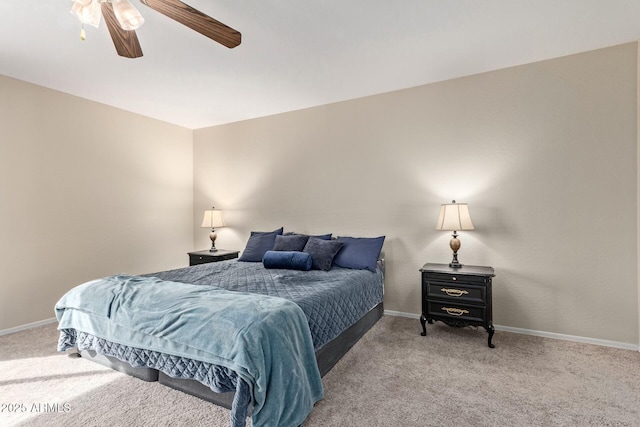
[
  {"x": 454, "y": 217},
  {"x": 212, "y": 219}
]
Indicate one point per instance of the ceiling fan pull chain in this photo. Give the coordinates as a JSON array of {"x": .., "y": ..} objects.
[{"x": 83, "y": 36}]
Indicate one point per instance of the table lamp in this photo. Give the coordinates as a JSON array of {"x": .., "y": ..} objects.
[
  {"x": 212, "y": 219},
  {"x": 454, "y": 217}
]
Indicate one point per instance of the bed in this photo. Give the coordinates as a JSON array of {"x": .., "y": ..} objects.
[{"x": 326, "y": 311}]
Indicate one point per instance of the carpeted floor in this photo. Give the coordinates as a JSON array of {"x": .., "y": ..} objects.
[{"x": 392, "y": 377}]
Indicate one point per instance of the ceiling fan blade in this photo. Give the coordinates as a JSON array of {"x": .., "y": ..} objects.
[
  {"x": 197, "y": 21},
  {"x": 126, "y": 42}
]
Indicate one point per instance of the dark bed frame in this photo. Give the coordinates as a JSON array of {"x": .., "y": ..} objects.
[{"x": 326, "y": 357}]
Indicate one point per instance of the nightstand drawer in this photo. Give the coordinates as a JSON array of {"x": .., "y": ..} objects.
[
  {"x": 450, "y": 310},
  {"x": 456, "y": 291},
  {"x": 456, "y": 278},
  {"x": 204, "y": 257},
  {"x": 198, "y": 259}
]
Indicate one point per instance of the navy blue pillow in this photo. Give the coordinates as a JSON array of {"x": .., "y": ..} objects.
[
  {"x": 359, "y": 252},
  {"x": 259, "y": 243},
  {"x": 291, "y": 260},
  {"x": 291, "y": 242},
  {"x": 322, "y": 236},
  {"x": 319, "y": 236},
  {"x": 322, "y": 252}
]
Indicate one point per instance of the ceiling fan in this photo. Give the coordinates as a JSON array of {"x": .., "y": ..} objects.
[{"x": 123, "y": 19}]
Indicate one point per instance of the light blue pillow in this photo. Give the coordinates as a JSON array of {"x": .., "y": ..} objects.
[
  {"x": 359, "y": 252},
  {"x": 259, "y": 243}
]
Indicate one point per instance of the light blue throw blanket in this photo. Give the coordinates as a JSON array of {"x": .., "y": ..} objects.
[{"x": 266, "y": 340}]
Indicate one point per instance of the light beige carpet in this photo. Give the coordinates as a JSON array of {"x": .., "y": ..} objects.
[{"x": 392, "y": 377}]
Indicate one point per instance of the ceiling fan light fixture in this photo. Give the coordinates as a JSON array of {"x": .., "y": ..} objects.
[
  {"x": 128, "y": 16},
  {"x": 122, "y": 19},
  {"x": 87, "y": 11}
]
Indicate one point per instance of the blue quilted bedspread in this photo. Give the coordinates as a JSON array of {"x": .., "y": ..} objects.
[
  {"x": 331, "y": 301},
  {"x": 265, "y": 340}
]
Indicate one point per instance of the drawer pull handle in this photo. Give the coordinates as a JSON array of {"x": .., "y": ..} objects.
[
  {"x": 454, "y": 278},
  {"x": 454, "y": 292},
  {"x": 455, "y": 311}
]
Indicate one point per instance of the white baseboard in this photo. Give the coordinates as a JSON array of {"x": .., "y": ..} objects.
[
  {"x": 586, "y": 340},
  {"x": 27, "y": 326},
  {"x": 401, "y": 314}
]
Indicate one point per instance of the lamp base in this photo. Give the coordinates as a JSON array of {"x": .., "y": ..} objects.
[
  {"x": 454, "y": 262},
  {"x": 213, "y": 237},
  {"x": 455, "y": 245}
]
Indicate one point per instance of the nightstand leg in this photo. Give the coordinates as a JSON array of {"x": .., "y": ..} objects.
[
  {"x": 491, "y": 330},
  {"x": 423, "y": 322}
]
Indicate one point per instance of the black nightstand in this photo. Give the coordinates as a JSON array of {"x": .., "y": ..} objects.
[
  {"x": 457, "y": 296},
  {"x": 203, "y": 257}
]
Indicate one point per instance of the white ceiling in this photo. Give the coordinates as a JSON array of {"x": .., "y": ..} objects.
[{"x": 297, "y": 54}]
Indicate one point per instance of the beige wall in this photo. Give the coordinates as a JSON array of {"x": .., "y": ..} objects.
[
  {"x": 545, "y": 155},
  {"x": 86, "y": 191}
]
